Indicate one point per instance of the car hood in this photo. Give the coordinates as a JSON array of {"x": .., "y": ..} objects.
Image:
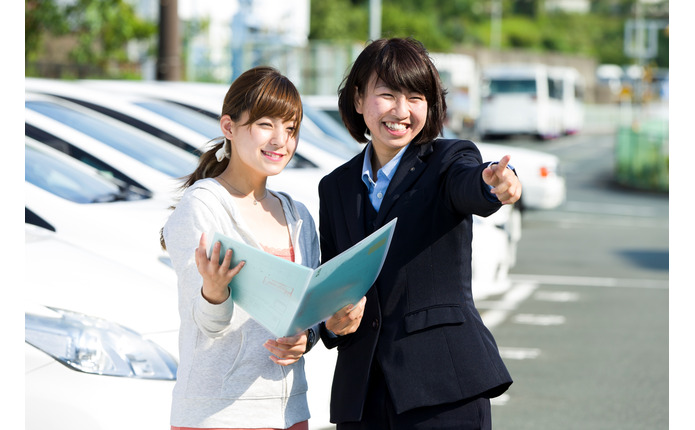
[{"x": 61, "y": 274}]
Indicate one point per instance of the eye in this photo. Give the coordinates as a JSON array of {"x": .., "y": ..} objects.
[{"x": 384, "y": 92}]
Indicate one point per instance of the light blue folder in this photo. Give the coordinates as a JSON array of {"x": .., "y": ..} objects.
[{"x": 287, "y": 298}]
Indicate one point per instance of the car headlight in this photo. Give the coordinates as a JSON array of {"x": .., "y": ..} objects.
[{"x": 95, "y": 345}]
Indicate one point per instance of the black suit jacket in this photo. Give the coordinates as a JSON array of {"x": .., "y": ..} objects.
[{"x": 420, "y": 322}]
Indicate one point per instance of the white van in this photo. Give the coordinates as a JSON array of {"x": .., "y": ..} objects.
[
  {"x": 519, "y": 99},
  {"x": 571, "y": 93}
]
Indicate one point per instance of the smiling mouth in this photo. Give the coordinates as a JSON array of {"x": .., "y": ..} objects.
[
  {"x": 395, "y": 126},
  {"x": 272, "y": 155}
]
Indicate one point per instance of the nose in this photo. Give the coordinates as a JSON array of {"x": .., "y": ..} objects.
[
  {"x": 400, "y": 107},
  {"x": 279, "y": 137}
]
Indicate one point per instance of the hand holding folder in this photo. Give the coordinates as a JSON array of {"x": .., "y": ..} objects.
[{"x": 287, "y": 298}]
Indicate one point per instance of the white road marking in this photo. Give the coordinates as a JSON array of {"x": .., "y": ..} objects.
[
  {"x": 542, "y": 320},
  {"x": 500, "y": 400},
  {"x": 519, "y": 353},
  {"x": 587, "y": 281},
  {"x": 611, "y": 209},
  {"x": 556, "y": 296},
  {"x": 511, "y": 299}
]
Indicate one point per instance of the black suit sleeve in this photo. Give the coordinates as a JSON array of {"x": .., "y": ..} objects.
[{"x": 464, "y": 183}]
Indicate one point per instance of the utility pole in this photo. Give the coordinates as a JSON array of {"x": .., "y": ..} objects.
[
  {"x": 496, "y": 24},
  {"x": 374, "y": 19},
  {"x": 169, "y": 54}
]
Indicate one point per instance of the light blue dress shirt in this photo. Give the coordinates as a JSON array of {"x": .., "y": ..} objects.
[{"x": 377, "y": 188}]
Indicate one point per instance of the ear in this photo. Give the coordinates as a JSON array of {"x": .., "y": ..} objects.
[
  {"x": 227, "y": 125},
  {"x": 358, "y": 101}
]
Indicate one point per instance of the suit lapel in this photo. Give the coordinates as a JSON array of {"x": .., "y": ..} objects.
[
  {"x": 409, "y": 170},
  {"x": 351, "y": 192}
]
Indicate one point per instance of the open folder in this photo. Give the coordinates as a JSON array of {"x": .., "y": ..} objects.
[{"x": 287, "y": 298}]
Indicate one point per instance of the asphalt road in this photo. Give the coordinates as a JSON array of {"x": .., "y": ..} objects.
[{"x": 584, "y": 328}]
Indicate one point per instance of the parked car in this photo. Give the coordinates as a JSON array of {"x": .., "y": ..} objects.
[
  {"x": 327, "y": 104},
  {"x": 539, "y": 172},
  {"x": 185, "y": 129},
  {"x": 125, "y": 153},
  {"x": 100, "y": 340},
  {"x": 207, "y": 99},
  {"x": 76, "y": 201}
]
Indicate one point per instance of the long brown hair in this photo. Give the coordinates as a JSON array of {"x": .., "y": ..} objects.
[{"x": 262, "y": 92}]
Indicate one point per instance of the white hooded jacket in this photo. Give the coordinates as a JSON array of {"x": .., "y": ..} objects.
[{"x": 225, "y": 377}]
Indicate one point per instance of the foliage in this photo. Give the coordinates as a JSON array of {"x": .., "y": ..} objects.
[
  {"x": 40, "y": 17},
  {"x": 101, "y": 28},
  {"x": 443, "y": 25},
  {"x": 423, "y": 26},
  {"x": 338, "y": 20}
]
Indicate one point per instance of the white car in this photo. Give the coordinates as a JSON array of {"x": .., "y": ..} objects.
[
  {"x": 125, "y": 153},
  {"x": 539, "y": 173},
  {"x": 100, "y": 340},
  {"x": 185, "y": 129},
  {"x": 76, "y": 201},
  {"x": 317, "y": 129},
  {"x": 327, "y": 104}
]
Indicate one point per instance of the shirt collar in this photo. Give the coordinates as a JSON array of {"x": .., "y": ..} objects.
[{"x": 386, "y": 170}]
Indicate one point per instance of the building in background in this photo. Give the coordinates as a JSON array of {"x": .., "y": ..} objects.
[{"x": 221, "y": 39}]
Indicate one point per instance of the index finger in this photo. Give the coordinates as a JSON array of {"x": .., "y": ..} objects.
[{"x": 503, "y": 163}]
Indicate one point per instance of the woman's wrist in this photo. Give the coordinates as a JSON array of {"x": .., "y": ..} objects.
[{"x": 215, "y": 297}]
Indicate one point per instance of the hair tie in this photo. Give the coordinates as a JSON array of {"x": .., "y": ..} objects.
[{"x": 222, "y": 153}]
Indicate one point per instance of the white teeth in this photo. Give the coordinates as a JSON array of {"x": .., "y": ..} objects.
[
  {"x": 395, "y": 126},
  {"x": 272, "y": 155}
]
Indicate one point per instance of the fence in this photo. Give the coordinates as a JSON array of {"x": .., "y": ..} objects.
[{"x": 642, "y": 158}]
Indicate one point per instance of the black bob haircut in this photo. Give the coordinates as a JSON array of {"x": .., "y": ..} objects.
[{"x": 402, "y": 64}]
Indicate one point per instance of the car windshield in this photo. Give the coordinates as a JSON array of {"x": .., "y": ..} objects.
[
  {"x": 332, "y": 128},
  {"x": 508, "y": 86},
  {"x": 211, "y": 127},
  {"x": 198, "y": 122},
  {"x": 59, "y": 178},
  {"x": 149, "y": 152}
]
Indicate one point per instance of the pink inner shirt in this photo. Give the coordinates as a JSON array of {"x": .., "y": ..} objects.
[{"x": 287, "y": 253}]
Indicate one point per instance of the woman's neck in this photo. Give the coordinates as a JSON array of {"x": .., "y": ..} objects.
[
  {"x": 244, "y": 185},
  {"x": 381, "y": 156}
]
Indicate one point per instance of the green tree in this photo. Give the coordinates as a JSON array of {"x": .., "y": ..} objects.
[
  {"x": 41, "y": 17},
  {"x": 101, "y": 29},
  {"x": 338, "y": 20},
  {"x": 443, "y": 25}
]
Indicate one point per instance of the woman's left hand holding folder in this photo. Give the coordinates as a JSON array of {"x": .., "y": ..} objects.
[{"x": 216, "y": 276}]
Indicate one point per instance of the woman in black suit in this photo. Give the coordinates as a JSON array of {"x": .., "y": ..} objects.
[{"x": 421, "y": 357}]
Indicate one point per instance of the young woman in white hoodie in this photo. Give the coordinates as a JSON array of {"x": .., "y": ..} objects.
[{"x": 226, "y": 378}]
